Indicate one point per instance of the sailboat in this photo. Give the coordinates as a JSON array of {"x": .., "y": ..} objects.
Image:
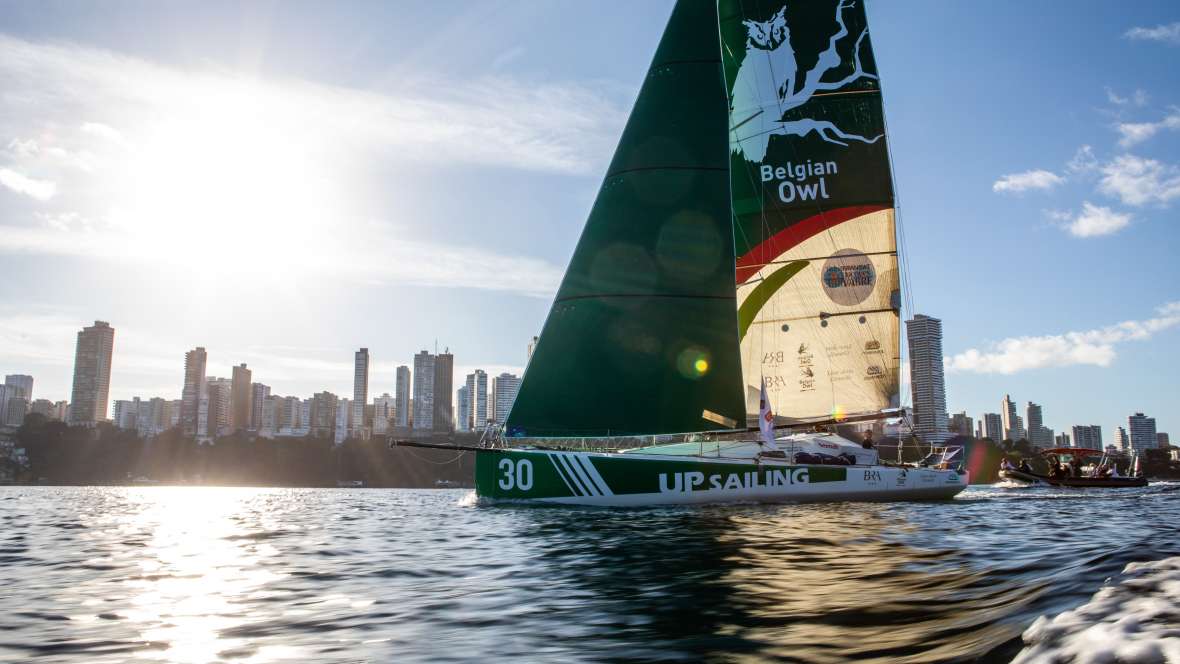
[{"x": 742, "y": 244}]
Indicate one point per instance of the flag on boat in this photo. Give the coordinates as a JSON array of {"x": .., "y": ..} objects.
[{"x": 766, "y": 420}]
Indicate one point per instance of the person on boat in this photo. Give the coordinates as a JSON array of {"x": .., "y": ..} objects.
[
  {"x": 1054, "y": 468},
  {"x": 1024, "y": 467},
  {"x": 1007, "y": 464},
  {"x": 1076, "y": 467},
  {"x": 866, "y": 439}
]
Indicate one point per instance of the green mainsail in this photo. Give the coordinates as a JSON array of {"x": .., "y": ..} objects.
[{"x": 650, "y": 332}]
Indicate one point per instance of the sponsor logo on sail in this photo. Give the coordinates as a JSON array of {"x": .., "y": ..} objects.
[
  {"x": 874, "y": 372},
  {"x": 848, "y": 277},
  {"x": 873, "y": 346}
]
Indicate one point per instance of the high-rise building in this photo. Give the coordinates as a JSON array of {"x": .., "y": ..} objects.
[
  {"x": 533, "y": 346},
  {"x": 125, "y": 413},
  {"x": 268, "y": 414},
  {"x": 1162, "y": 440},
  {"x": 424, "y": 391},
  {"x": 1141, "y": 431},
  {"x": 292, "y": 416},
  {"x": 401, "y": 399},
  {"x": 477, "y": 390},
  {"x": 1121, "y": 440},
  {"x": 193, "y": 391},
  {"x": 504, "y": 389},
  {"x": 1038, "y": 435},
  {"x": 323, "y": 414},
  {"x": 259, "y": 394},
  {"x": 1013, "y": 430},
  {"x": 1087, "y": 436},
  {"x": 993, "y": 427},
  {"x": 1061, "y": 440},
  {"x": 20, "y": 385},
  {"x": 16, "y": 399},
  {"x": 241, "y": 398},
  {"x": 962, "y": 424},
  {"x": 360, "y": 390},
  {"x": 15, "y": 409},
  {"x": 926, "y": 378},
  {"x": 384, "y": 409},
  {"x": 463, "y": 408},
  {"x": 44, "y": 408},
  {"x": 219, "y": 393},
  {"x": 92, "y": 374},
  {"x": 444, "y": 381},
  {"x": 343, "y": 420}
]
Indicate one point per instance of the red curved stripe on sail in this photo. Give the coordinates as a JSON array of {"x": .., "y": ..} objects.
[{"x": 774, "y": 246}]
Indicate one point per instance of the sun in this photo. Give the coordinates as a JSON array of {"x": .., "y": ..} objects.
[{"x": 228, "y": 179}]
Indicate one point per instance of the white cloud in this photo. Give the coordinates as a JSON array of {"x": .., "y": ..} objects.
[
  {"x": 1169, "y": 34},
  {"x": 1138, "y": 181},
  {"x": 1137, "y": 132},
  {"x": 1092, "y": 221},
  {"x": 41, "y": 190},
  {"x": 1137, "y": 98},
  {"x": 22, "y": 148},
  {"x": 490, "y": 121},
  {"x": 1089, "y": 347},
  {"x": 378, "y": 260},
  {"x": 1026, "y": 181},
  {"x": 292, "y": 170},
  {"x": 103, "y": 131},
  {"x": 1083, "y": 161}
]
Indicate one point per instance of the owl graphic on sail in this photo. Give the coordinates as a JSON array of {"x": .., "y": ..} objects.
[{"x": 770, "y": 83}]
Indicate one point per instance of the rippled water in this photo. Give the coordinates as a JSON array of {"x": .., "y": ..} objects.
[{"x": 262, "y": 575}]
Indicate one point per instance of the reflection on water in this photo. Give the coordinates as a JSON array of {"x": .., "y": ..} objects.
[
  {"x": 199, "y": 570},
  {"x": 267, "y": 575}
]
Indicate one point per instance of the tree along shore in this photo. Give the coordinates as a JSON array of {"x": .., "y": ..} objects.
[{"x": 62, "y": 454}]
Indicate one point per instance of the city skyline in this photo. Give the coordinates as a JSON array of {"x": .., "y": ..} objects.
[
  {"x": 926, "y": 333},
  {"x": 468, "y": 231}
]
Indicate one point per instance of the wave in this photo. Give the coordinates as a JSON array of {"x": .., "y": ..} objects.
[{"x": 1135, "y": 619}]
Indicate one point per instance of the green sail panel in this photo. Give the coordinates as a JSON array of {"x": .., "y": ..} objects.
[
  {"x": 813, "y": 208},
  {"x": 642, "y": 335}
]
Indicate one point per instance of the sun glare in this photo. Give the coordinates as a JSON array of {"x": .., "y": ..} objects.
[{"x": 227, "y": 180}]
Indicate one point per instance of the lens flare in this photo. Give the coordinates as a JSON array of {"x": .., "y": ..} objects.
[
  {"x": 693, "y": 363},
  {"x": 838, "y": 413}
]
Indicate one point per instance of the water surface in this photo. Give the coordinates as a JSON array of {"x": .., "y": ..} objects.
[{"x": 269, "y": 575}]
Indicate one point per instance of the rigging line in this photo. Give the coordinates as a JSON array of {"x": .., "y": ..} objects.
[
  {"x": 905, "y": 280},
  {"x": 436, "y": 463}
]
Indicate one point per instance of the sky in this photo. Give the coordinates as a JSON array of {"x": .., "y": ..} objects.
[{"x": 283, "y": 183}]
